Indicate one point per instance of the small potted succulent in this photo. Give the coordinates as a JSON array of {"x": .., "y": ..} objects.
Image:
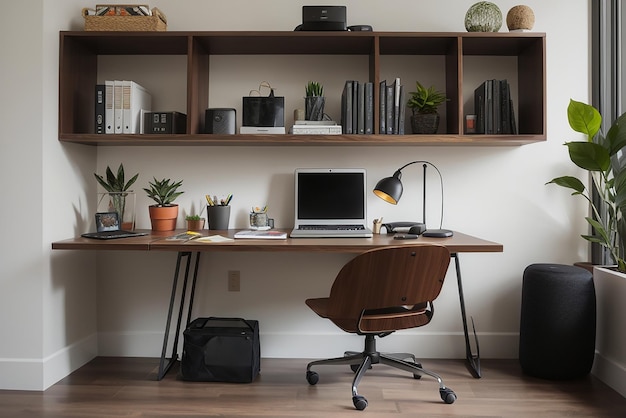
[
  {"x": 424, "y": 103},
  {"x": 164, "y": 213},
  {"x": 194, "y": 222},
  {"x": 314, "y": 101}
]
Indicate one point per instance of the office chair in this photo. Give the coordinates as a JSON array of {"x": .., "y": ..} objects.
[{"x": 377, "y": 293}]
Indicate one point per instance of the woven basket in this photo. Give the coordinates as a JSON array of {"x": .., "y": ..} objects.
[{"x": 156, "y": 22}]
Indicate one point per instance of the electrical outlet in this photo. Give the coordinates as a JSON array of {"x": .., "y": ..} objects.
[{"x": 234, "y": 281}]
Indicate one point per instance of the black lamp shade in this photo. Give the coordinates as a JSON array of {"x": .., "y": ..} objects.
[{"x": 389, "y": 189}]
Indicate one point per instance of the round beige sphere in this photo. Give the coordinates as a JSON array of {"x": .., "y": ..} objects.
[{"x": 520, "y": 18}]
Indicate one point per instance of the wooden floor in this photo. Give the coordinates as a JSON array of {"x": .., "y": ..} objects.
[{"x": 127, "y": 387}]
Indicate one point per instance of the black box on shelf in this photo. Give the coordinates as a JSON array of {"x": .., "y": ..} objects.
[
  {"x": 165, "y": 123},
  {"x": 221, "y": 350}
]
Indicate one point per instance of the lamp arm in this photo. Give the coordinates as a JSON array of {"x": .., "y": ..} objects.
[{"x": 399, "y": 174}]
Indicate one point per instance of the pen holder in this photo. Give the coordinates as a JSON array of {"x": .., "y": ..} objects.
[{"x": 218, "y": 216}]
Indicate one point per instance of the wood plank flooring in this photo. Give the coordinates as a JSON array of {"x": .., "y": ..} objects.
[{"x": 127, "y": 387}]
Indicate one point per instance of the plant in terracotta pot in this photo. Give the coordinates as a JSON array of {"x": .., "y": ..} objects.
[
  {"x": 194, "y": 222},
  {"x": 600, "y": 156},
  {"x": 423, "y": 103},
  {"x": 164, "y": 213},
  {"x": 118, "y": 198},
  {"x": 314, "y": 101}
]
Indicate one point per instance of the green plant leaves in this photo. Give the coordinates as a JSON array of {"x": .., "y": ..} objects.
[
  {"x": 115, "y": 182},
  {"x": 164, "y": 191}
]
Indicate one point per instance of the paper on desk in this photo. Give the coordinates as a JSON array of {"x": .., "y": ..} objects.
[{"x": 213, "y": 238}]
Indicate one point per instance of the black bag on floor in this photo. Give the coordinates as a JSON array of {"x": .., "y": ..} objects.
[{"x": 221, "y": 350}]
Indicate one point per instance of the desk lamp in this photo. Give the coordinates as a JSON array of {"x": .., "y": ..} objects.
[{"x": 390, "y": 189}]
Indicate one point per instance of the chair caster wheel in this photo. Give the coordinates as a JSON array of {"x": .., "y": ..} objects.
[
  {"x": 354, "y": 367},
  {"x": 447, "y": 395},
  {"x": 417, "y": 376},
  {"x": 359, "y": 402},
  {"x": 312, "y": 377}
]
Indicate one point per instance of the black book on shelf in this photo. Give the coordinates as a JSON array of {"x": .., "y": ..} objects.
[
  {"x": 369, "y": 108},
  {"x": 347, "y": 107},
  {"x": 480, "y": 96},
  {"x": 382, "y": 108},
  {"x": 402, "y": 112},
  {"x": 361, "y": 109},
  {"x": 389, "y": 94},
  {"x": 99, "y": 108},
  {"x": 355, "y": 107},
  {"x": 505, "y": 107},
  {"x": 396, "y": 106}
]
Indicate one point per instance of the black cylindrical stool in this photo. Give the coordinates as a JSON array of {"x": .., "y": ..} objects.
[{"x": 558, "y": 321}]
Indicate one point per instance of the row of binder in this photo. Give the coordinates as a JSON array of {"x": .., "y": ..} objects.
[{"x": 120, "y": 105}]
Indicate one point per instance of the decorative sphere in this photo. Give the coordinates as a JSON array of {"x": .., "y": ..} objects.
[
  {"x": 520, "y": 18},
  {"x": 483, "y": 16}
]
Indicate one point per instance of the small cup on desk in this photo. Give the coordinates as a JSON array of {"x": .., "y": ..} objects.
[
  {"x": 260, "y": 221},
  {"x": 218, "y": 216}
]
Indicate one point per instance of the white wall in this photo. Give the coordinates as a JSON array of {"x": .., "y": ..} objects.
[{"x": 59, "y": 309}]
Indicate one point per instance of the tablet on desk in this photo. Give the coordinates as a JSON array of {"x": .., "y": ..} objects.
[{"x": 108, "y": 227}]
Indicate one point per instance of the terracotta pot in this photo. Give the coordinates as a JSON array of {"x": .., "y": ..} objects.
[
  {"x": 163, "y": 218},
  {"x": 195, "y": 225}
]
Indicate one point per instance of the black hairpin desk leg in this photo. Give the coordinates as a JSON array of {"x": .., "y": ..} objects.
[
  {"x": 473, "y": 360},
  {"x": 163, "y": 367}
]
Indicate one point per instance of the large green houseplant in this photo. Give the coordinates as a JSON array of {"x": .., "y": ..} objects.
[
  {"x": 164, "y": 213},
  {"x": 118, "y": 197},
  {"x": 424, "y": 103},
  {"x": 600, "y": 155}
]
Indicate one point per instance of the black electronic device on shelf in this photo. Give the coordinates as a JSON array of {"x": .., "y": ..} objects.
[{"x": 323, "y": 18}]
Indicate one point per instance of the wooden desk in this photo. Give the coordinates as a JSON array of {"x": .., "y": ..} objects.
[{"x": 458, "y": 243}]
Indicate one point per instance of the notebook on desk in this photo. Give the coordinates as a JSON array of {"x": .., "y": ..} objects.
[{"x": 330, "y": 203}]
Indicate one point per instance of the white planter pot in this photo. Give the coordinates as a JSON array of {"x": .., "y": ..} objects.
[{"x": 610, "y": 361}]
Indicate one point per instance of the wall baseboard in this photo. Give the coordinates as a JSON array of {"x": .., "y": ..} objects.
[
  {"x": 40, "y": 374},
  {"x": 293, "y": 345},
  {"x": 610, "y": 372}
]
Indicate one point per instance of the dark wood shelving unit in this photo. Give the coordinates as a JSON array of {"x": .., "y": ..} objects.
[{"x": 79, "y": 52}]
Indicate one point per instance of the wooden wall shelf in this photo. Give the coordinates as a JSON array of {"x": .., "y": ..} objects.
[{"x": 79, "y": 52}]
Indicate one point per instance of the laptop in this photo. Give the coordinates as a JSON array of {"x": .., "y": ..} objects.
[
  {"x": 108, "y": 227},
  {"x": 330, "y": 203}
]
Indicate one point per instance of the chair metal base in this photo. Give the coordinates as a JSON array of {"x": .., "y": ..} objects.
[{"x": 364, "y": 360}]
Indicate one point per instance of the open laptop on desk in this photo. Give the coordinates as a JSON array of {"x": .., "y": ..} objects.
[
  {"x": 108, "y": 227},
  {"x": 330, "y": 203}
]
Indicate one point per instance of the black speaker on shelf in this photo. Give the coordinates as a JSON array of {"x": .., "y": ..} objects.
[{"x": 220, "y": 121}]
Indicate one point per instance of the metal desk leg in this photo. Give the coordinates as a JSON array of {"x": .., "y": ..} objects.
[
  {"x": 473, "y": 360},
  {"x": 164, "y": 368}
]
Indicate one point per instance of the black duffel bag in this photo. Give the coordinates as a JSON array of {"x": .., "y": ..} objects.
[{"x": 221, "y": 350}]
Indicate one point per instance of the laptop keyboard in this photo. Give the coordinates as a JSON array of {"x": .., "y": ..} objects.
[{"x": 332, "y": 227}]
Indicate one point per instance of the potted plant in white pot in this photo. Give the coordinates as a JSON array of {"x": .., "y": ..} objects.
[
  {"x": 164, "y": 213},
  {"x": 424, "y": 103},
  {"x": 601, "y": 156},
  {"x": 118, "y": 198}
]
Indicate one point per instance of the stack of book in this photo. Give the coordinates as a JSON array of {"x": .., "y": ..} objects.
[
  {"x": 494, "y": 108},
  {"x": 119, "y": 107},
  {"x": 316, "y": 127},
  {"x": 392, "y": 108},
  {"x": 357, "y": 108}
]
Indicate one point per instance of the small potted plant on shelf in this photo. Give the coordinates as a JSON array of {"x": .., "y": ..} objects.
[
  {"x": 598, "y": 156},
  {"x": 314, "y": 101},
  {"x": 118, "y": 198},
  {"x": 423, "y": 104},
  {"x": 164, "y": 213},
  {"x": 194, "y": 222}
]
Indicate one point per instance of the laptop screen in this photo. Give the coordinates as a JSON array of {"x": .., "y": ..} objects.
[{"x": 330, "y": 195}]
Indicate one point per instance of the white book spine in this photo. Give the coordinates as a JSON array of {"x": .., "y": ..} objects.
[
  {"x": 109, "y": 115},
  {"x": 117, "y": 107},
  {"x": 139, "y": 100}
]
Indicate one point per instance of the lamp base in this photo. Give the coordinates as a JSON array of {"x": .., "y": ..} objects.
[{"x": 437, "y": 233}]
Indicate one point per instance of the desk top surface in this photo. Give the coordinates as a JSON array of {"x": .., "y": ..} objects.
[{"x": 156, "y": 241}]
